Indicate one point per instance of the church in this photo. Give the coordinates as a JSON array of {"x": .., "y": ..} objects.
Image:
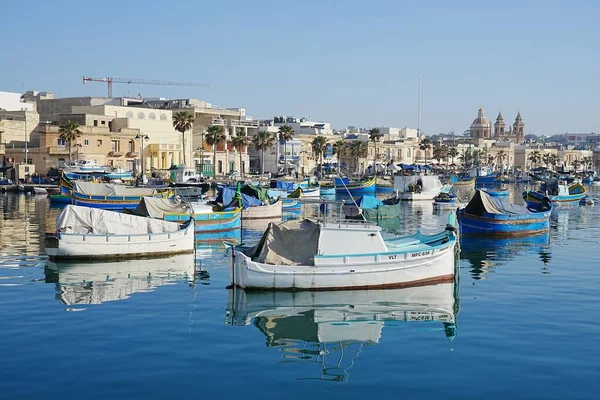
[{"x": 481, "y": 128}]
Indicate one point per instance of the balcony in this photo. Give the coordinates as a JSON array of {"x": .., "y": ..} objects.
[
  {"x": 132, "y": 154},
  {"x": 116, "y": 154},
  {"x": 235, "y": 122},
  {"x": 58, "y": 150},
  {"x": 155, "y": 147},
  {"x": 218, "y": 121}
]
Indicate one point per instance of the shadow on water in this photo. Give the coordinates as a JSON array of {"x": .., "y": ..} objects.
[
  {"x": 331, "y": 329},
  {"x": 486, "y": 253}
]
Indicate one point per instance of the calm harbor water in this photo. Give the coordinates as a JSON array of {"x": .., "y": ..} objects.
[{"x": 521, "y": 322}]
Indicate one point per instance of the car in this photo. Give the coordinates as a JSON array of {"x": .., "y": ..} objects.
[{"x": 5, "y": 181}]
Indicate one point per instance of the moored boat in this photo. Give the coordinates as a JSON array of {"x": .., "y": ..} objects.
[
  {"x": 371, "y": 208},
  {"x": 341, "y": 255},
  {"x": 271, "y": 210},
  {"x": 110, "y": 196},
  {"x": 558, "y": 193},
  {"x": 355, "y": 187},
  {"x": 327, "y": 190},
  {"x": 496, "y": 192},
  {"x": 489, "y": 216},
  {"x": 85, "y": 233},
  {"x": 418, "y": 187},
  {"x": 463, "y": 181}
]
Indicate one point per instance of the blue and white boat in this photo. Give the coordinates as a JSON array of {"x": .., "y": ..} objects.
[
  {"x": 119, "y": 173},
  {"x": 496, "y": 192},
  {"x": 489, "y": 216},
  {"x": 556, "y": 192},
  {"x": 355, "y": 187}
]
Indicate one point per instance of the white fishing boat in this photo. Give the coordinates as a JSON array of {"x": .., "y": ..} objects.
[
  {"x": 417, "y": 187},
  {"x": 39, "y": 191},
  {"x": 342, "y": 255},
  {"x": 85, "y": 233},
  {"x": 274, "y": 210},
  {"x": 312, "y": 192}
]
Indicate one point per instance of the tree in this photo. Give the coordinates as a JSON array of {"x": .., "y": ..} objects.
[
  {"x": 588, "y": 162},
  {"x": 535, "y": 157},
  {"x": 215, "y": 134},
  {"x": 439, "y": 153},
  {"x": 452, "y": 152},
  {"x": 575, "y": 163},
  {"x": 338, "y": 148},
  {"x": 425, "y": 144},
  {"x": 240, "y": 140},
  {"x": 490, "y": 159},
  {"x": 182, "y": 122},
  {"x": 358, "y": 149},
  {"x": 286, "y": 133},
  {"x": 554, "y": 159},
  {"x": 546, "y": 159},
  {"x": 69, "y": 132},
  {"x": 500, "y": 156},
  {"x": 263, "y": 140},
  {"x": 319, "y": 145},
  {"x": 374, "y": 136}
]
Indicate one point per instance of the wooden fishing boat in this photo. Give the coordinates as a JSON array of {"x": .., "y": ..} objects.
[
  {"x": 345, "y": 186},
  {"x": 327, "y": 190},
  {"x": 60, "y": 199},
  {"x": 464, "y": 181},
  {"x": 273, "y": 210},
  {"x": 111, "y": 196},
  {"x": 311, "y": 191},
  {"x": 209, "y": 225},
  {"x": 368, "y": 207},
  {"x": 85, "y": 233},
  {"x": 488, "y": 216},
  {"x": 558, "y": 193},
  {"x": 342, "y": 255}
]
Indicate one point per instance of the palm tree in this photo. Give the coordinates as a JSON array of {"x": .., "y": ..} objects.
[
  {"x": 535, "y": 157},
  {"x": 439, "y": 153},
  {"x": 500, "y": 156},
  {"x": 587, "y": 162},
  {"x": 286, "y": 133},
  {"x": 263, "y": 140},
  {"x": 374, "y": 136},
  {"x": 357, "y": 150},
  {"x": 182, "y": 122},
  {"x": 425, "y": 145},
  {"x": 490, "y": 159},
  {"x": 452, "y": 152},
  {"x": 69, "y": 132},
  {"x": 554, "y": 160},
  {"x": 575, "y": 163},
  {"x": 338, "y": 148},
  {"x": 319, "y": 145},
  {"x": 240, "y": 140},
  {"x": 546, "y": 158},
  {"x": 215, "y": 134}
]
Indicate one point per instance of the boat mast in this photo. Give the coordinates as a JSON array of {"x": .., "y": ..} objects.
[{"x": 419, "y": 112}]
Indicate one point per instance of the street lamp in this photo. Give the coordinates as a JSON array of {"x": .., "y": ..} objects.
[
  {"x": 78, "y": 146},
  {"x": 142, "y": 137}
]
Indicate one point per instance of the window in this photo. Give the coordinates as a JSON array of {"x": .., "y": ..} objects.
[
  {"x": 220, "y": 166},
  {"x": 99, "y": 143},
  {"x": 141, "y": 115},
  {"x": 26, "y": 169},
  {"x": 95, "y": 122},
  {"x": 151, "y": 116},
  {"x": 61, "y": 142},
  {"x": 115, "y": 145},
  {"x": 129, "y": 114},
  {"x": 131, "y": 146},
  {"x": 86, "y": 142},
  {"x": 103, "y": 122},
  {"x": 163, "y": 117}
]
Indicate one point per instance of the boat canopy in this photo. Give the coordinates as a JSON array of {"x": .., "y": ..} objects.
[
  {"x": 484, "y": 203},
  {"x": 369, "y": 202},
  {"x": 155, "y": 207},
  {"x": 94, "y": 221},
  {"x": 109, "y": 189},
  {"x": 229, "y": 198},
  {"x": 289, "y": 243},
  {"x": 289, "y": 186}
]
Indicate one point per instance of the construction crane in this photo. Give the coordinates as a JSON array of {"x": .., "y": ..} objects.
[{"x": 134, "y": 81}]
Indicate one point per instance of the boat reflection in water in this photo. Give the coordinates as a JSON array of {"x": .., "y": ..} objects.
[
  {"x": 487, "y": 253},
  {"x": 79, "y": 283},
  {"x": 332, "y": 328}
]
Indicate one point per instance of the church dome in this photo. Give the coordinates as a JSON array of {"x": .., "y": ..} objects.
[{"x": 480, "y": 121}]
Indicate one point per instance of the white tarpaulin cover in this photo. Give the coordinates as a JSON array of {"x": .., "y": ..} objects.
[
  {"x": 93, "y": 221},
  {"x": 155, "y": 207},
  {"x": 109, "y": 189},
  {"x": 288, "y": 243}
]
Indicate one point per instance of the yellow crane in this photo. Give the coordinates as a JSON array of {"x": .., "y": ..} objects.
[{"x": 136, "y": 81}]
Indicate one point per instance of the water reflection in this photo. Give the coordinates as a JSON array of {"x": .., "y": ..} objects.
[
  {"x": 486, "y": 253},
  {"x": 96, "y": 283},
  {"x": 331, "y": 329}
]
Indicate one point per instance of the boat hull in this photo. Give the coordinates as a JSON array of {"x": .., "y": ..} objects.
[
  {"x": 533, "y": 199},
  {"x": 367, "y": 187},
  {"x": 74, "y": 246},
  {"x": 214, "y": 226},
  {"x": 274, "y": 210},
  {"x": 496, "y": 193},
  {"x": 360, "y": 271},
  {"x": 414, "y": 196},
  {"x": 60, "y": 199},
  {"x": 504, "y": 225},
  {"x": 327, "y": 190}
]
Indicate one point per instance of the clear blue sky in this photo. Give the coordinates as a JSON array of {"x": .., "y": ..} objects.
[{"x": 346, "y": 62}]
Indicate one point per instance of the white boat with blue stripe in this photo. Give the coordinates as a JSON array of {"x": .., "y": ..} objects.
[{"x": 306, "y": 255}]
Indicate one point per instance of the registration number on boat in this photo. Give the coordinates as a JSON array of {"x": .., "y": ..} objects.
[{"x": 421, "y": 253}]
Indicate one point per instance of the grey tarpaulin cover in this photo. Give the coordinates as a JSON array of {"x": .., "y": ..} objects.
[
  {"x": 484, "y": 203},
  {"x": 93, "y": 221},
  {"x": 109, "y": 189},
  {"x": 155, "y": 207},
  {"x": 287, "y": 243}
]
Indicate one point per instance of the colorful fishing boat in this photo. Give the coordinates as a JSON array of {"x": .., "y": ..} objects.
[
  {"x": 371, "y": 208},
  {"x": 119, "y": 173},
  {"x": 488, "y": 180},
  {"x": 327, "y": 190},
  {"x": 110, "y": 196},
  {"x": 462, "y": 181},
  {"x": 556, "y": 192},
  {"x": 341, "y": 255},
  {"x": 489, "y": 216},
  {"x": 501, "y": 192},
  {"x": 355, "y": 187},
  {"x": 209, "y": 225}
]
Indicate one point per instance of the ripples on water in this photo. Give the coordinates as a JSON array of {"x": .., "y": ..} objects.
[{"x": 521, "y": 322}]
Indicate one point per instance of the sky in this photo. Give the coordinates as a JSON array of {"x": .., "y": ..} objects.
[{"x": 342, "y": 61}]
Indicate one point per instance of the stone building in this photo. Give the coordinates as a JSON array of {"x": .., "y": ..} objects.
[{"x": 481, "y": 128}]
